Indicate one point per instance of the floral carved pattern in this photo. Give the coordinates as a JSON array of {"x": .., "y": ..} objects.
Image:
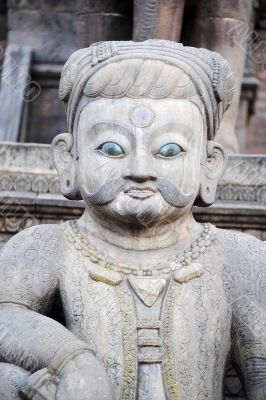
[
  {"x": 29, "y": 183},
  {"x": 129, "y": 334}
]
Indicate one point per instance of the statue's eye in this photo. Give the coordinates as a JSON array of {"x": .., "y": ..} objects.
[
  {"x": 111, "y": 149},
  {"x": 170, "y": 150}
]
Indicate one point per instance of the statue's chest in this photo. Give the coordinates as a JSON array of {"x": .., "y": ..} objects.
[{"x": 169, "y": 337}]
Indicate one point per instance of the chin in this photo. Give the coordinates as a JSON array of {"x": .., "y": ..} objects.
[{"x": 141, "y": 213}]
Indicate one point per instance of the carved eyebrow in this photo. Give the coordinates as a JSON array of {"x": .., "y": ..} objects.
[
  {"x": 110, "y": 126},
  {"x": 116, "y": 127},
  {"x": 174, "y": 127}
]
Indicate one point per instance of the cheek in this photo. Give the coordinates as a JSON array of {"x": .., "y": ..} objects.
[
  {"x": 192, "y": 164},
  {"x": 192, "y": 168},
  {"x": 173, "y": 169},
  {"x": 95, "y": 170},
  {"x": 183, "y": 171}
]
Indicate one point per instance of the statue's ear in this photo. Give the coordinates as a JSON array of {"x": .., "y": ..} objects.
[
  {"x": 211, "y": 171},
  {"x": 65, "y": 164}
]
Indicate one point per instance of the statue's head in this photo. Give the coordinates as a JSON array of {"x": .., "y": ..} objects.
[{"x": 142, "y": 120}]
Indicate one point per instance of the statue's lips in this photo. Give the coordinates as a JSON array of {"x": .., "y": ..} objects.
[{"x": 140, "y": 193}]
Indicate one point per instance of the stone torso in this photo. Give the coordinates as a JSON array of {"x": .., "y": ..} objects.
[
  {"x": 173, "y": 349},
  {"x": 168, "y": 345}
]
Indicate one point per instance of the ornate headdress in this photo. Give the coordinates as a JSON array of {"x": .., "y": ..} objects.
[{"x": 210, "y": 75}]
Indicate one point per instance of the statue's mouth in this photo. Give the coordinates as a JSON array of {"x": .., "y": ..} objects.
[
  {"x": 111, "y": 189},
  {"x": 140, "y": 192}
]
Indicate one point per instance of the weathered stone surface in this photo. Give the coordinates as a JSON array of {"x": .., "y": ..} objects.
[{"x": 31, "y": 158}]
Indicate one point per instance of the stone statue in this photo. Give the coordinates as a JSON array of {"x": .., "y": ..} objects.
[{"x": 154, "y": 302}]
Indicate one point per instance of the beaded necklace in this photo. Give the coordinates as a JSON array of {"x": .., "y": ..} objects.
[{"x": 196, "y": 249}]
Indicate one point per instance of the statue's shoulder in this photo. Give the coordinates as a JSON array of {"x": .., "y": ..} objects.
[
  {"x": 38, "y": 239},
  {"x": 243, "y": 272},
  {"x": 241, "y": 250},
  {"x": 233, "y": 239},
  {"x": 28, "y": 272}
]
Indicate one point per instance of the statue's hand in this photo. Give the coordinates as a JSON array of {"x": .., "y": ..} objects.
[
  {"x": 84, "y": 378},
  {"x": 40, "y": 385}
]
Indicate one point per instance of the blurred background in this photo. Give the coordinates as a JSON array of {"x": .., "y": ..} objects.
[{"x": 40, "y": 36}]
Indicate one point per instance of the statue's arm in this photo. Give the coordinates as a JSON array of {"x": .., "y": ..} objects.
[
  {"x": 33, "y": 341},
  {"x": 28, "y": 284},
  {"x": 249, "y": 320}
]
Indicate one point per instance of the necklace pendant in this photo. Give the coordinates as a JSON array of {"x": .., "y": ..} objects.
[
  {"x": 148, "y": 289},
  {"x": 101, "y": 274},
  {"x": 188, "y": 272}
]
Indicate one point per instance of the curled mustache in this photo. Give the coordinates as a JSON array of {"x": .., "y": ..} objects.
[
  {"x": 172, "y": 194},
  {"x": 107, "y": 192},
  {"x": 110, "y": 190}
]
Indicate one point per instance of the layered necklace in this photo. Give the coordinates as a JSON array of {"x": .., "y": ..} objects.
[{"x": 188, "y": 257}]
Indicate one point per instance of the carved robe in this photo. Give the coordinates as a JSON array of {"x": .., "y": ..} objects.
[
  {"x": 174, "y": 349},
  {"x": 157, "y": 342}
]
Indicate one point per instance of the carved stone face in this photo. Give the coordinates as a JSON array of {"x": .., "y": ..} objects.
[{"x": 140, "y": 159}]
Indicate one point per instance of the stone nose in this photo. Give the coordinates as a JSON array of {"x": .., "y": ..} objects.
[{"x": 139, "y": 170}]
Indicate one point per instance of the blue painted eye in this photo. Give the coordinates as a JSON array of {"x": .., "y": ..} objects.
[
  {"x": 170, "y": 150},
  {"x": 111, "y": 149}
]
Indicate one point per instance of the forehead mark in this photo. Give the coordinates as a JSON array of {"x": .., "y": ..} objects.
[{"x": 141, "y": 116}]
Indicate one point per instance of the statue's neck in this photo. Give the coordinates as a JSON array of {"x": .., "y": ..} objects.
[{"x": 177, "y": 234}]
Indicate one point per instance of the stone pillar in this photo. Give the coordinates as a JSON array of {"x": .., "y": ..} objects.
[
  {"x": 103, "y": 20},
  {"x": 158, "y": 19},
  {"x": 223, "y": 26},
  {"x": 256, "y": 142}
]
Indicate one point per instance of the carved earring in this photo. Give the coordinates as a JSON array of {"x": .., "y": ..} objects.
[
  {"x": 70, "y": 189},
  {"x": 212, "y": 170},
  {"x": 207, "y": 191}
]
